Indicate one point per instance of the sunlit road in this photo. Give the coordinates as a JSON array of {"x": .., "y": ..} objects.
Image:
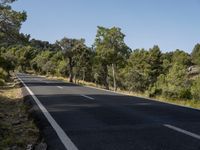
[{"x": 81, "y": 118}]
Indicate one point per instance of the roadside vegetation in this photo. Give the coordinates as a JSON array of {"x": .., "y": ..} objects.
[
  {"x": 17, "y": 130},
  {"x": 109, "y": 63}
]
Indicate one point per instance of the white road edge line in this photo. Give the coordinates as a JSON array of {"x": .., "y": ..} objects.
[
  {"x": 87, "y": 96},
  {"x": 183, "y": 131},
  {"x": 60, "y": 87},
  {"x": 68, "y": 144}
]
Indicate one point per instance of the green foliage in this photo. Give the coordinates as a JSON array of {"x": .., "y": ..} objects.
[
  {"x": 135, "y": 81},
  {"x": 8, "y": 60},
  {"x": 51, "y": 66},
  {"x": 83, "y": 63},
  {"x": 10, "y": 25},
  {"x": 196, "y": 54},
  {"x": 2, "y": 82},
  {"x": 41, "y": 45},
  {"x": 155, "y": 64},
  {"x": 110, "y": 46},
  {"x": 174, "y": 85},
  {"x": 3, "y": 74},
  {"x": 3, "y": 2},
  {"x": 195, "y": 89},
  {"x": 40, "y": 61},
  {"x": 110, "y": 62},
  {"x": 185, "y": 93},
  {"x": 143, "y": 68},
  {"x": 166, "y": 65},
  {"x": 61, "y": 68},
  {"x": 111, "y": 50},
  {"x": 77, "y": 55},
  {"x": 181, "y": 58}
]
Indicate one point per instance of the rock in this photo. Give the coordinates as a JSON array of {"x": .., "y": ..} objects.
[
  {"x": 41, "y": 146},
  {"x": 29, "y": 147},
  {"x": 16, "y": 122},
  {"x": 14, "y": 148}
]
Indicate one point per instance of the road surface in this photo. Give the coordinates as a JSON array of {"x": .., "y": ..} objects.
[{"x": 81, "y": 118}]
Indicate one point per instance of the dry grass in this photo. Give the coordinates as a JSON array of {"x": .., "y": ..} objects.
[
  {"x": 12, "y": 94},
  {"x": 56, "y": 78},
  {"x": 16, "y": 130},
  {"x": 188, "y": 103}
]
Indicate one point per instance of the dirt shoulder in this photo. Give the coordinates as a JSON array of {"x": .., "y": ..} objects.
[{"x": 17, "y": 130}]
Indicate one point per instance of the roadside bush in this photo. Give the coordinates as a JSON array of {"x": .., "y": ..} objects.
[
  {"x": 153, "y": 92},
  {"x": 2, "y": 82},
  {"x": 185, "y": 94},
  {"x": 136, "y": 81},
  {"x": 3, "y": 74},
  {"x": 61, "y": 69},
  {"x": 196, "y": 89},
  {"x": 170, "y": 94}
]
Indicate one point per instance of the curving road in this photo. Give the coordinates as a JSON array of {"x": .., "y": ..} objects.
[{"x": 81, "y": 118}]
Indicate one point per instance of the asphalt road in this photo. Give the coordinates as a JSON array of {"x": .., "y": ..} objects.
[{"x": 81, "y": 118}]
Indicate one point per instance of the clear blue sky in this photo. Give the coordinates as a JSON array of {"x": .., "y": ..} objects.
[{"x": 171, "y": 24}]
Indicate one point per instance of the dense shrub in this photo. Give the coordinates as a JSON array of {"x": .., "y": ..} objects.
[
  {"x": 185, "y": 94},
  {"x": 2, "y": 82},
  {"x": 3, "y": 74},
  {"x": 196, "y": 89}
]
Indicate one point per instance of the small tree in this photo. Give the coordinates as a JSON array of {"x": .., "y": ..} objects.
[
  {"x": 176, "y": 83},
  {"x": 111, "y": 49},
  {"x": 155, "y": 64},
  {"x": 39, "y": 62},
  {"x": 196, "y": 54},
  {"x": 72, "y": 48},
  {"x": 138, "y": 70}
]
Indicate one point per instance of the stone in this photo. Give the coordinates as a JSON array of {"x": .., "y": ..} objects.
[{"x": 41, "y": 146}]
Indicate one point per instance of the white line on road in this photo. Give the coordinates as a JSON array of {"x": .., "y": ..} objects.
[
  {"x": 68, "y": 144},
  {"x": 183, "y": 131},
  {"x": 60, "y": 87},
  {"x": 143, "y": 104},
  {"x": 87, "y": 96}
]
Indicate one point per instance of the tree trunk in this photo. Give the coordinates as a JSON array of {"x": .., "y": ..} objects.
[
  {"x": 105, "y": 68},
  {"x": 70, "y": 70},
  {"x": 75, "y": 78},
  {"x": 83, "y": 75},
  {"x": 114, "y": 78}
]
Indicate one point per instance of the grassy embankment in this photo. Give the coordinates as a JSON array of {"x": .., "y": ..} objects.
[
  {"x": 17, "y": 130},
  {"x": 188, "y": 103}
]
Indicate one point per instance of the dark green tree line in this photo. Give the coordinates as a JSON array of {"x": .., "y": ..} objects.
[{"x": 109, "y": 62}]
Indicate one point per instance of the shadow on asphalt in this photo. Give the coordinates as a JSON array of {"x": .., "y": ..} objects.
[
  {"x": 36, "y": 83},
  {"x": 113, "y": 109},
  {"x": 116, "y": 118}
]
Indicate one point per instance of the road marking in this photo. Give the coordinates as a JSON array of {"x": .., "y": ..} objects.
[
  {"x": 60, "y": 87},
  {"x": 183, "y": 131},
  {"x": 143, "y": 104},
  {"x": 68, "y": 144},
  {"x": 87, "y": 96}
]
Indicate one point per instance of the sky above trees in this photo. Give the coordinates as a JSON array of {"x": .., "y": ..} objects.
[{"x": 169, "y": 24}]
